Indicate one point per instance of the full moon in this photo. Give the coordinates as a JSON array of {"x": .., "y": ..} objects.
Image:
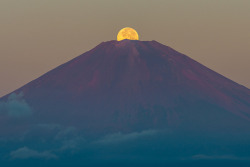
[{"x": 127, "y": 33}]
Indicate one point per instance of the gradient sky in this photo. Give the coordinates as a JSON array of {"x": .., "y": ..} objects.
[{"x": 38, "y": 35}]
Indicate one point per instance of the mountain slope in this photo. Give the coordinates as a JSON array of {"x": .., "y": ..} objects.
[{"x": 137, "y": 85}]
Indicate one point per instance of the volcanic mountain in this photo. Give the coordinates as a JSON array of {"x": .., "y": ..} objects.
[{"x": 126, "y": 86}]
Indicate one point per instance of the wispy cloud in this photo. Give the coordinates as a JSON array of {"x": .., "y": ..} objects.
[
  {"x": 68, "y": 138},
  {"x": 26, "y": 153},
  {"x": 72, "y": 144},
  {"x": 120, "y": 137},
  {"x": 16, "y": 106}
]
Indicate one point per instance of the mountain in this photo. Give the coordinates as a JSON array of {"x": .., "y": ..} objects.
[{"x": 131, "y": 88}]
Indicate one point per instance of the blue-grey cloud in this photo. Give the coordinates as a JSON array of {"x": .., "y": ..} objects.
[
  {"x": 120, "y": 137},
  {"x": 66, "y": 137},
  {"x": 26, "y": 153},
  {"x": 16, "y": 106},
  {"x": 69, "y": 138},
  {"x": 72, "y": 143},
  {"x": 52, "y": 131},
  {"x": 67, "y": 132}
]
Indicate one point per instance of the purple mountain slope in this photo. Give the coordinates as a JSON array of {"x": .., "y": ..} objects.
[{"x": 131, "y": 86}]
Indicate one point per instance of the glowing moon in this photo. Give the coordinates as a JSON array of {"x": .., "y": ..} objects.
[{"x": 127, "y": 33}]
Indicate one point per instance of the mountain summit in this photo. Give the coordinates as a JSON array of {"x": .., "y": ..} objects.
[{"x": 126, "y": 86}]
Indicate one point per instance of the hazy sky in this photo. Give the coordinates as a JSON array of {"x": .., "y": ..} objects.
[{"x": 38, "y": 35}]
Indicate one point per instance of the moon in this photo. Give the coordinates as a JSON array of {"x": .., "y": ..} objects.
[{"x": 127, "y": 33}]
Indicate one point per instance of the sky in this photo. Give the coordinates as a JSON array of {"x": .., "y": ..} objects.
[{"x": 36, "y": 36}]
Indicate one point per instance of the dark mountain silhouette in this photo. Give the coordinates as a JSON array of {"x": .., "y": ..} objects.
[{"x": 135, "y": 88}]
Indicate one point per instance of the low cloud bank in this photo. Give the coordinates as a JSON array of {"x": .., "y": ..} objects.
[
  {"x": 26, "y": 153},
  {"x": 119, "y": 137}
]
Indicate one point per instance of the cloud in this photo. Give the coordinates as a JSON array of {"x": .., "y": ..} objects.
[
  {"x": 16, "y": 106},
  {"x": 67, "y": 138},
  {"x": 59, "y": 132},
  {"x": 119, "y": 137},
  {"x": 73, "y": 143},
  {"x": 26, "y": 153},
  {"x": 67, "y": 132},
  {"x": 70, "y": 138}
]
